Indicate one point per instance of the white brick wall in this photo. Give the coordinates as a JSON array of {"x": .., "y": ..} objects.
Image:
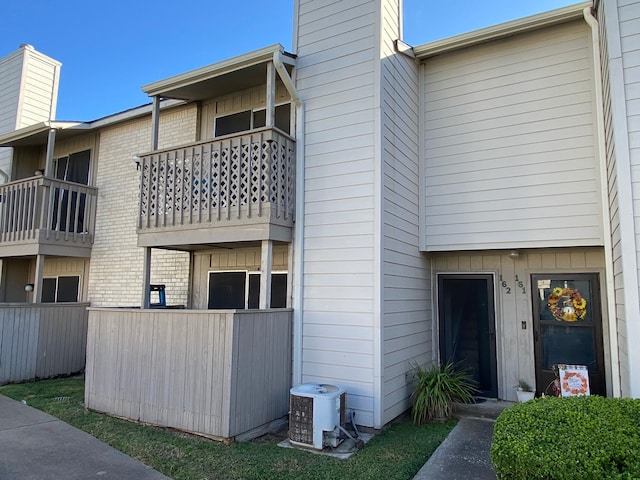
[{"x": 116, "y": 261}]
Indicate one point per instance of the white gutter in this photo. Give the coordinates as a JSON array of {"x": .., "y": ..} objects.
[
  {"x": 298, "y": 236},
  {"x": 606, "y": 213}
]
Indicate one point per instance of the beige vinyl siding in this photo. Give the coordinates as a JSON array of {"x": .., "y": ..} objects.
[
  {"x": 629, "y": 29},
  {"x": 514, "y": 345},
  {"x": 116, "y": 260},
  {"x": 10, "y": 76},
  {"x": 614, "y": 207},
  {"x": 335, "y": 77},
  {"x": 510, "y": 152},
  {"x": 407, "y": 328},
  {"x": 39, "y": 89}
]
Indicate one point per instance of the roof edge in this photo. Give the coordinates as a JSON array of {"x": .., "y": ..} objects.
[
  {"x": 213, "y": 70},
  {"x": 495, "y": 32}
]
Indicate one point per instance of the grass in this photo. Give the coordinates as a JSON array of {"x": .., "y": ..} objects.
[{"x": 398, "y": 452}]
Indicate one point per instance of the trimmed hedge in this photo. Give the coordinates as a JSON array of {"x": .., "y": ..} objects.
[{"x": 568, "y": 438}]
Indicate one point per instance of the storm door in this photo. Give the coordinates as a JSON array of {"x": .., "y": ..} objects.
[
  {"x": 466, "y": 318},
  {"x": 567, "y": 327}
]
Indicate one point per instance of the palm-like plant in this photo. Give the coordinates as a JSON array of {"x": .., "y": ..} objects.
[{"x": 437, "y": 387}]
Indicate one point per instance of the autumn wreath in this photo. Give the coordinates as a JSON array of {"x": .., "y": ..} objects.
[{"x": 566, "y": 304}]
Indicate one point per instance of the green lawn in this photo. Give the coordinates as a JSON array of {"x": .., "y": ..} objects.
[{"x": 396, "y": 453}]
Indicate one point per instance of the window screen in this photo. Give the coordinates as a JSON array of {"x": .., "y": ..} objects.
[
  {"x": 227, "y": 290},
  {"x": 68, "y": 289},
  {"x": 49, "y": 290},
  {"x": 60, "y": 289},
  {"x": 283, "y": 117},
  {"x": 236, "y": 122},
  {"x": 278, "y": 290}
]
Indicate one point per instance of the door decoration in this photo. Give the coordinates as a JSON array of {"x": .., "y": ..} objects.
[
  {"x": 574, "y": 380},
  {"x": 567, "y": 304}
]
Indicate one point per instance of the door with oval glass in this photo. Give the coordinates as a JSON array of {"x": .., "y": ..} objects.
[{"x": 567, "y": 326}]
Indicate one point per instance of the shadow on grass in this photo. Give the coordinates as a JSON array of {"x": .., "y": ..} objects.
[{"x": 397, "y": 452}]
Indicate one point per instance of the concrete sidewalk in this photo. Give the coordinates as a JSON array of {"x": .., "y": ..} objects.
[
  {"x": 37, "y": 446},
  {"x": 464, "y": 455}
]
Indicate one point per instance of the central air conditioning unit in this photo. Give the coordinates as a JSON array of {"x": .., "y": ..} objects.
[{"x": 317, "y": 411}]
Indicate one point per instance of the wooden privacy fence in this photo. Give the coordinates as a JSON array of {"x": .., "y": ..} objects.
[
  {"x": 216, "y": 373},
  {"x": 41, "y": 340}
]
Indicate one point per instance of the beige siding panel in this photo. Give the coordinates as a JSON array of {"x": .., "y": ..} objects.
[
  {"x": 629, "y": 25},
  {"x": 510, "y": 144},
  {"x": 407, "y": 330},
  {"x": 335, "y": 76},
  {"x": 10, "y": 76},
  {"x": 514, "y": 345}
]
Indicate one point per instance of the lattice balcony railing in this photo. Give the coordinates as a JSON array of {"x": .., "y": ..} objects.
[{"x": 231, "y": 178}]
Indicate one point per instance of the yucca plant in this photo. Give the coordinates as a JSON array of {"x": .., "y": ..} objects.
[{"x": 437, "y": 387}]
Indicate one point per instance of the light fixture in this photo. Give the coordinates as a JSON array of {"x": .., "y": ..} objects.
[
  {"x": 28, "y": 287},
  {"x": 514, "y": 254}
]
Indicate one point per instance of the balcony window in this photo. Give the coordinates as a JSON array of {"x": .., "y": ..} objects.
[
  {"x": 241, "y": 290},
  {"x": 250, "y": 119}
]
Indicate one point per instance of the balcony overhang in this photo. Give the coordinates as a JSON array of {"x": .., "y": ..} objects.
[
  {"x": 244, "y": 71},
  {"x": 35, "y": 135}
]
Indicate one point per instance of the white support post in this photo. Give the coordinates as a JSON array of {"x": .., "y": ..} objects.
[
  {"x": 266, "y": 260},
  {"x": 155, "y": 122},
  {"x": 146, "y": 278},
  {"x": 51, "y": 143},
  {"x": 271, "y": 94},
  {"x": 37, "y": 283}
]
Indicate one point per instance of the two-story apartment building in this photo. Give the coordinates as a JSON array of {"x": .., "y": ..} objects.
[{"x": 343, "y": 211}]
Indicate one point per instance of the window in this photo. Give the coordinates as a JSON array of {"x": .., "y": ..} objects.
[
  {"x": 250, "y": 119},
  {"x": 283, "y": 118},
  {"x": 236, "y": 122},
  {"x": 240, "y": 290},
  {"x": 60, "y": 289},
  {"x": 67, "y": 204}
]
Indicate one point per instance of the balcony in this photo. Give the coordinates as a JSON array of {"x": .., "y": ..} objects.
[
  {"x": 46, "y": 216},
  {"x": 232, "y": 189}
]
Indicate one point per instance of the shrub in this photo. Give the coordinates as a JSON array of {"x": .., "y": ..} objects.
[
  {"x": 437, "y": 387},
  {"x": 568, "y": 438}
]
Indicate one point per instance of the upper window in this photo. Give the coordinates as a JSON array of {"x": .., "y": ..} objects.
[
  {"x": 250, "y": 119},
  {"x": 73, "y": 167}
]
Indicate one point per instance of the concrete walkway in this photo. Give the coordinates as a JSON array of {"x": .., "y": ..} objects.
[
  {"x": 464, "y": 455},
  {"x": 37, "y": 446}
]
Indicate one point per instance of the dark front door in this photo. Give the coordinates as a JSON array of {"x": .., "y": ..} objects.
[
  {"x": 567, "y": 326},
  {"x": 467, "y": 327}
]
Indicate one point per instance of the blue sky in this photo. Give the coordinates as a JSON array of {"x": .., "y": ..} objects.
[{"x": 110, "y": 49}]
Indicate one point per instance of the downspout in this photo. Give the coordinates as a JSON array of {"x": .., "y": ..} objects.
[
  {"x": 604, "y": 188},
  {"x": 298, "y": 238}
]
